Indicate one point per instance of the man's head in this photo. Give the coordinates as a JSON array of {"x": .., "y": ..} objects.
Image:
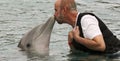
[{"x": 62, "y": 10}]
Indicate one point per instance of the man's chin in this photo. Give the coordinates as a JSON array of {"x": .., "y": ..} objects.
[{"x": 59, "y": 22}]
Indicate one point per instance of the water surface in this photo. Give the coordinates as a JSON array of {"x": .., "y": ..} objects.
[{"x": 19, "y": 16}]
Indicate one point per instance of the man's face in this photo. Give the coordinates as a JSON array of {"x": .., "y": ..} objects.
[{"x": 58, "y": 13}]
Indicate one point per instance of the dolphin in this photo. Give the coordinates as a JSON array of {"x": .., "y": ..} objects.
[{"x": 37, "y": 40}]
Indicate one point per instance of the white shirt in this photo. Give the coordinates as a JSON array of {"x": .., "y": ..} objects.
[{"x": 90, "y": 26}]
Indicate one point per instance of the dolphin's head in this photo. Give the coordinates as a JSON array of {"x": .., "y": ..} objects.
[
  {"x": 37, "y": 40},
  {"x": 41, "y": 43}
]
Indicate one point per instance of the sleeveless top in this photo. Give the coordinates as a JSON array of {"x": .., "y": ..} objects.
[{"x": 112, "y": 43}]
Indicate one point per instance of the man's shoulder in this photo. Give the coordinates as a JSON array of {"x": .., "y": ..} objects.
[
  {"x": 86, "y": 13},
  {"x": 88, "y": 17}
]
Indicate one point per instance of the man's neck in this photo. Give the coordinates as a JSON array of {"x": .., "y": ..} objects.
[{"x": 73, "y": 18}]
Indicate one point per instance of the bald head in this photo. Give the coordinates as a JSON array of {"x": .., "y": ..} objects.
[
  {"x": 70, "y": 4},
  {"x": 64, "y": 9}
]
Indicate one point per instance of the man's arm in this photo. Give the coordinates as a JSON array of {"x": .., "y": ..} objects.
[{"x": 97, "y": 43}]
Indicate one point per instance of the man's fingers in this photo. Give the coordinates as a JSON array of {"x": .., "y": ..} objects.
[{"x": 76, "y": 28}]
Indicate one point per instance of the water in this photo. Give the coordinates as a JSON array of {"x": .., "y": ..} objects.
[{"x": 19, "y": 16}]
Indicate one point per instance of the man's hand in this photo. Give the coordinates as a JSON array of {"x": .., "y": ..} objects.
[
  {"x": 70, "y": 37},
  {"x": 76, "y": 32}
]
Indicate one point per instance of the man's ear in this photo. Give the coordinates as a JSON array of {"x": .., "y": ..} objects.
[{"x": 65, "y": 9}]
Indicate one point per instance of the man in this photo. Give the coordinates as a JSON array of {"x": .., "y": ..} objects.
[{"x": 89, "y": 33}]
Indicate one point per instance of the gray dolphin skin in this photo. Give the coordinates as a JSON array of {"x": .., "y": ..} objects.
[{"x": 37, "y": 40}]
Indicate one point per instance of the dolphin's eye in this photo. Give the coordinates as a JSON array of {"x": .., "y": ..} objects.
[{"x": 28, "y": 45}]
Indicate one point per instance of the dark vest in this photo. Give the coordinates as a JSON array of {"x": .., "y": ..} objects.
[{"x": 112, "y": 43}]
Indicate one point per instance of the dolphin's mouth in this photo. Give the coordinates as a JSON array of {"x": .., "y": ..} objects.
[{"x": 50, "y": 23}]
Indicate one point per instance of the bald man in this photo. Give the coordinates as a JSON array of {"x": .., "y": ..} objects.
[{"x": 89, "y": 33}]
